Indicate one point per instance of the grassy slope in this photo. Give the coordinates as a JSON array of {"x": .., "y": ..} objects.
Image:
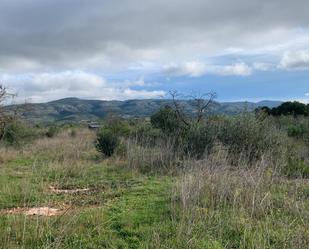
[{"x": 130, "y": 210}]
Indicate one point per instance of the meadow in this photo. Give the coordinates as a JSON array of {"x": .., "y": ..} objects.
[{"x": 228, "y": 182}]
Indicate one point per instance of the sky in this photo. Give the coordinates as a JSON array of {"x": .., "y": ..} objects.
[{"x": 132, "y": 49}]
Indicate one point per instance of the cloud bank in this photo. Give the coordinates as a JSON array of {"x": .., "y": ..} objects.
[
  {"x": 54, "y": 44},
  {"x": 42, "y": 87}
]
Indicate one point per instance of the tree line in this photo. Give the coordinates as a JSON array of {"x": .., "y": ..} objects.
[{"x": 294, "y": 108}]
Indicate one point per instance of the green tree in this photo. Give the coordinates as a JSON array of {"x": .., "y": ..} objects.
[
  {"x": 291, "y": 108},
  {"x": 167, "y": 120}
]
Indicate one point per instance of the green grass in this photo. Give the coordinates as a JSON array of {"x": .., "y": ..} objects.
[
  {"x": 128, "y": 209},
  {"x": 122, "y": 210}
]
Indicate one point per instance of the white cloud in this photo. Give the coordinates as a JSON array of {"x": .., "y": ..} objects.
[
  {"x": 295, "y": 60},
  {"x": 140, "y": 94},
  {"x": 196, "y": 69},
  {"x": 70, "y": 80},
  {"x": 191, "y": 68},
  {"x": 239, "y": 69},
  {"x": 42, "y": 87},
  {"x": 139, "y": 82},
  {"x": 307, "y": 94},
  {"x": 263, "y": 66}
]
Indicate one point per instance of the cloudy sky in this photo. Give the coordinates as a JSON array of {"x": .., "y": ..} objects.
[{"x": 123, "y": 49}]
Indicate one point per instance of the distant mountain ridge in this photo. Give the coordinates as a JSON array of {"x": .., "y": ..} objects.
[{"x": 76, "y": 110}]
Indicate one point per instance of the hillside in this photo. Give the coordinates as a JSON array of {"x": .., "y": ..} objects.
[{"x": 75, "y": 110}]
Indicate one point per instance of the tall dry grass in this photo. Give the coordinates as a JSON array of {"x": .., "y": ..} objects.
[
  {"x": 62, "y": 146},
  {"x": 244, "y": 208},
  {"x": 151, "y": 157}
]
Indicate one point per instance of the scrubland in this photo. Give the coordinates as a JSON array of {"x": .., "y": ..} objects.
[{"x": 237, "y": 182}]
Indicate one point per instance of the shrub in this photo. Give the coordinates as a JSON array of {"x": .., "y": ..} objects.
[
  {"x": 73, "y": 133},
  {"x": 17, "y": 134},
  {"x": 166, "y": 119},
  {"x": 107, "y": 142},
  {"x": 146, "y": 134},
  {"x": 296, "y": 127},
  {"x": 296, "y": 168},
  {"x": 52, "y": 131},
  {"x": 296, "y": 131},
  {"x": 249, "y": 138},
  {"x": 199, "y": 139},
  {"x": 119, "y": 127}
]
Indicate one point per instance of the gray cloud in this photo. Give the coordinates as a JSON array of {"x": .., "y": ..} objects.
[
  {"x": 57, "y": 33},
  {"x": 55, "y": 48}
]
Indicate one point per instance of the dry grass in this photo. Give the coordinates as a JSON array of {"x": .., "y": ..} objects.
[
  {"x": 155, "y": 157},
  {"x": 8, "y": 154},
  {"x": 213, "y": 204},
  {"x": 63, "y": 146},
  {"x": 242, "y": 208}
]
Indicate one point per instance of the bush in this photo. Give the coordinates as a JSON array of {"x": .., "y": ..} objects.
[
  {"x": 119, "y": 127},
  {"x": 296, "y": 131},
  {"x": 17, "y": 134},
  {"x": 52, "y": 131},
  {"x": 107, "y": 142},
  {"x": 198, "y": 140},
  {"x": 296, "y": 127},
  {"x": 73, "y": 133},
  {"x": 146, "y": 134},
  {"x": 296, "y": 168},
  {"x": 249, "y": 138},
  {"x": 166, "y": 119}
]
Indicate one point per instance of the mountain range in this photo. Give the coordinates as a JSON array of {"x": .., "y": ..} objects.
[{"x": 77, "y": 110}]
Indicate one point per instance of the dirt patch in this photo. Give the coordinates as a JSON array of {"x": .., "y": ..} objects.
[
  {"x": 43, "y": 211},
  {"x": 68, "y": 191},
  {"x": 36, "y": 211}
]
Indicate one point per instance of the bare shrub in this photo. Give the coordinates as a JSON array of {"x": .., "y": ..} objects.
[{"x": 5, "y": 118}]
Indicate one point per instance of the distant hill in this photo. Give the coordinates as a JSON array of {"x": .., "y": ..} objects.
[
  {"x": 76, "y": 110},
  {"x": 270, "y": 104}
]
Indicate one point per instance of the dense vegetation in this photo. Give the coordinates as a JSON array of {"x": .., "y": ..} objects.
[
  {"x": 288, "y": 108},
  {"x": 175, "y": 181}
]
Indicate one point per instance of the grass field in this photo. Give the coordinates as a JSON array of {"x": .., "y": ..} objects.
[{"x": 104, "y": 204}]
